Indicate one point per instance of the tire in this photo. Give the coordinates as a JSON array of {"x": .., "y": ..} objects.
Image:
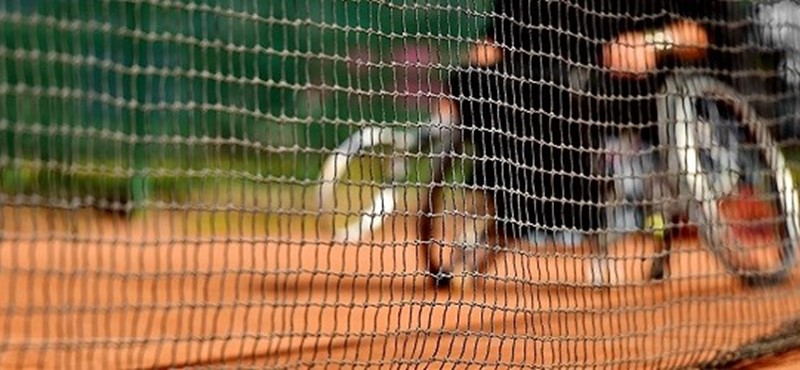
[
  {"x": 685, "y": 134},
  {"x": 337, "y": 164}
]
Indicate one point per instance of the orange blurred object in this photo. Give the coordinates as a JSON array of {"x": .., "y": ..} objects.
[
  {"x": 445, "y": 110},
  {"x": 754, "y": 232},
  {"x": 485, "y": 54},
  {"x": 633, "y": 54}
]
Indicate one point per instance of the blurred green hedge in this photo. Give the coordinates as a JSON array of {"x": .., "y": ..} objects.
[{"x": 121, "y": 95}]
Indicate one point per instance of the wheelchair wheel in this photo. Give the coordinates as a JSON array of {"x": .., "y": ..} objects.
[
  {"x": 742, "y": 195},
  {"x": 335, "y": 169},
  {"x": 435, "y": 133}
]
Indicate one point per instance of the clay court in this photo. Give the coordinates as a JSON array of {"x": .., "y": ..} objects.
[
  {"x": 104, "y": 292},
  {"x": 210, "y": 123}
]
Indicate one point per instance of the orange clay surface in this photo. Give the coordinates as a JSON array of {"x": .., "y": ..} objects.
[
  {"x": 782, "y": 361},
  {"x": 82, "y": 290}
]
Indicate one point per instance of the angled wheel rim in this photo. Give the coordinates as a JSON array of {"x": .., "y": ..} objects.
[{"x": 676, "y": 109}]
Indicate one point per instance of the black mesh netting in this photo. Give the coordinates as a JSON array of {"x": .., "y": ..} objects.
[{"x": 396, "y": 183}]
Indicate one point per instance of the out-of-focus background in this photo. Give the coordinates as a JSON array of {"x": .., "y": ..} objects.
[{"x": 120, "y": 104}]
